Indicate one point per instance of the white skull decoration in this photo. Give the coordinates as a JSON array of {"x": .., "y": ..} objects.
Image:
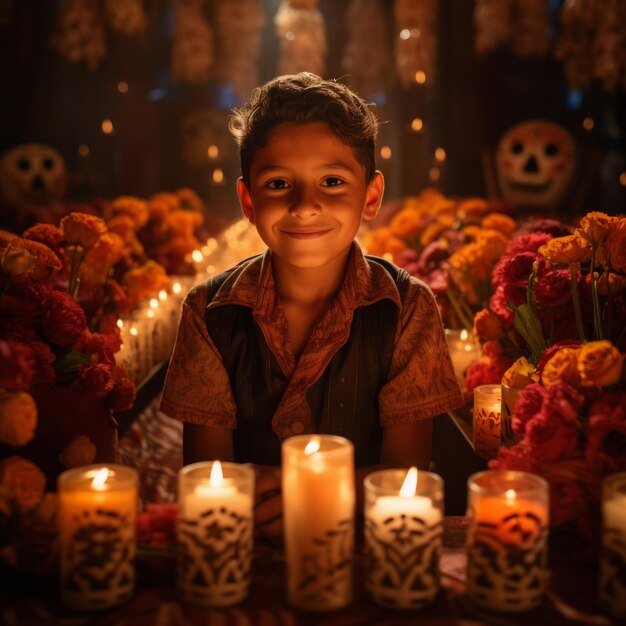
[
  {"x": 535, "y": 162},
  {"x": 32, "y": 174}
]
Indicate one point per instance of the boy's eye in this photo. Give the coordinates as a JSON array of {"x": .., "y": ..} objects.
[
  {"x": 332, "y": 181},
  {"x": 278, "y": 184}
]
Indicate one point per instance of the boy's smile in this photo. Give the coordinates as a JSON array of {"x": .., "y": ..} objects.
[{"x": 308, "y": 195}]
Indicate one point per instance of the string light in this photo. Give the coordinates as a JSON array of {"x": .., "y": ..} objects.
[
  {"x": 122, "y": 87},
  {"x": 218, "y": 175},
  {"x": 420, "y": 77},
  {"x": 213, "y": 151},
  {"x": 405, "y": 33},
  {"x": 83, "y": 150},
  {"x": 417, "y": 124},
  {"x": 385, "y": 152},
  {"x": 434, "y": 174},
  {"x": 588, "y": 123},
  {"x": 107, "y": 127},
  {"x": 440, "y": 154}
]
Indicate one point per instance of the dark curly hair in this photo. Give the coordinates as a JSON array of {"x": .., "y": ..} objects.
[{"x": 302, "y": 98}]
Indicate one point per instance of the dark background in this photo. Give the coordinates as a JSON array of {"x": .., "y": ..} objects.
[{"x": 470, "y": 104}]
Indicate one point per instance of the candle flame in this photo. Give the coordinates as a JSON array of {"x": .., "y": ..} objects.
[
  {"x": 410, "y": 484},
  {"x": 313, "y": 446},
  {"x": 154, "y": 303},
  {"x": 177, "y": 287},
  {"x": 463, "y": 335},
  {"x": 510, "y": 494},
  {"x": 100, "y": 478},
  {"x": 162, "y": 295},
  {"x": 217, "y": 476},
  {"x": 120, "y": 324}
]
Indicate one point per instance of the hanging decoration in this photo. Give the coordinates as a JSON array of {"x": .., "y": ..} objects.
[
  {"x": 125, "y": 16},
  {"x": 416, "y": 40},
  {"x": 300, "y": 28},
  {"x": 523, "y": 24},
  {"x": 79, "y": 33},
  {"x": 365, "y": 56},
  {"x": 193, "y": 46},
  {"x": 239, "y": 25}
]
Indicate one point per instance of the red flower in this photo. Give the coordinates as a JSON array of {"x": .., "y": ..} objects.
[
  {"x": 529, "y": 404},
  {"x": 103, "y": 346},
  {"x": 64, "y": 321},
  {"x": 606, "y": 435},
  {"x": 16, "y": 365},
  {"x": 45, "y": 377},
  {"x": 122, "y": 397},
  {"x": 553, "y": 287},
  {"x": 549, "y": 437},
  {"x": 157, "y": 524},
  {"x": 96, "y": 379},
  {"x": 485, "y": 371},
  {"x": 514, "y": 458},
  {"x": 498, "y": 304},
  {"x": 47, "y": 234},
  {"x": 526, "y": 242}
]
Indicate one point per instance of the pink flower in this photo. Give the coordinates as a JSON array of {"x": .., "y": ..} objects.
[
  {"x": 485, "y": 371},
  {"x": 553, "y": 287},
  {"x": 529, "y": 404},
  {"x": 606, "y": 434},
  {"x": 514, "y": 458},
  {"x": 498, "y": 303},
  {"x": 526, "y": 242},
  {"x": 157, "y": 524},
  {"x": 549, "y": 437}
]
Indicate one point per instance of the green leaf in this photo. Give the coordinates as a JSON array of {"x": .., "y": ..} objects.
[
  {"x": 528, "y": 326},
  {"x": 70, "y": 363}
]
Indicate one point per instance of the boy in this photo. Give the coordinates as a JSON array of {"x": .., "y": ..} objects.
[{"x": 311, "y": 336}]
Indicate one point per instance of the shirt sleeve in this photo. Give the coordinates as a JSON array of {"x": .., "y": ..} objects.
[
  {"x": 421, "y": 382},
  {"x": 197, "y": 389}
]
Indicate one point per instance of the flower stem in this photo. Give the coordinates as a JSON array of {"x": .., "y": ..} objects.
[
  {"x": 573, "y": 269},
  {"x": 597, "y": 314}
]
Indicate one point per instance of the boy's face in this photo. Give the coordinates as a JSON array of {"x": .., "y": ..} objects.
[{"x": 308, "y": 194}]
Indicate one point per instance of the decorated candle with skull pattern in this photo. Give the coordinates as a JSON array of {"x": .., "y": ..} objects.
[
  {"x": 97, "y": 541},
  {"x": 318, "y": 501},
  {"x": 403, "y": 529},
  {"x": 612, "y": 585},
  {"x": 507, "y": 541},
  {"x": 215, "y": 533}
]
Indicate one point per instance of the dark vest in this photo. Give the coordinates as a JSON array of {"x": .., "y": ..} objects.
[{"x": 344, "y": 401}]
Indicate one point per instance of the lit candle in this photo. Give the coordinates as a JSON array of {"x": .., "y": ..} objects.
[
  {"x": 507, "y": 540},
  {"x": 97, "y": 541},
  {"x": 463, "y": 351},
  {"x": 318, "y": 510},
  {"x": 612, "y": 587},
  {"x": 486, "y": 420},
  {"x": 403, "y": 537},
  {"x": 215, "y": 533}
]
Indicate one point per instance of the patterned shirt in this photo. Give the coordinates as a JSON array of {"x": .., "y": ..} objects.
[{"x": 421, "y": 381}]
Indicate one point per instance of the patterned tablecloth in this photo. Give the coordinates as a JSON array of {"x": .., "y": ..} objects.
[{"x": 570, "y": 599}]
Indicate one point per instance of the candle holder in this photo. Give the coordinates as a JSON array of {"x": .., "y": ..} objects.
[
  {"x": 486, "y": 420},
  {"x": 612, "y": 587},
  {"x": 97, "y": 538},
  {"x": 215, "y": 533},
  {"x": 318, "y": 513},
  {"x": 403, "y": 531},
  {"x": 463, "y": 351},
  {"x": 507, "y": 541},
  {"x": 510, "y": 396}
]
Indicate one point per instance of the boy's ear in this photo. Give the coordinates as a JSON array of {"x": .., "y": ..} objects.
[
  {"x": 245, "y": 200},
  {"x": 374, "y": 196}
]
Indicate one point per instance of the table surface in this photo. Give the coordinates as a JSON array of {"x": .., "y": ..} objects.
[{"x": 569, "y": 600}]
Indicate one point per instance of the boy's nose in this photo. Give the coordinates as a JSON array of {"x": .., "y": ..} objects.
[{"x": 304, "y": 205}]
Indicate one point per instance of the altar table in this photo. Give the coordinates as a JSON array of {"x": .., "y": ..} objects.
[{"x": 570, "y": 598}]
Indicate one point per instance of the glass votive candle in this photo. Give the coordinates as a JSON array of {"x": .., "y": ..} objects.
[
  {"x": 97, "y": 535},
  {"x": 403, "y": 531},
  {"x": 612, "y": 586},
  {"x": 318, "y": 516},
  {"x": 463, "y": 351},
  {"x": 215, "y": 533},
  {"x": 507, "y": 540},
  {"x": 486, "y": 420}
]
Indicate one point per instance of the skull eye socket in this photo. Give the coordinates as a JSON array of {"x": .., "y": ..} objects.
[
  {"x": 551, "y": 150},
  {"x": 23, "y": 165},
  {"x": 517, "y": 147},
  {"x": 48, "y": 164}
]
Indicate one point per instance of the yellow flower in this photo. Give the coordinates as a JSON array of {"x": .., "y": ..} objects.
[
  {"x": 79, "y": 451},
  {"x": 595, "y": 227},
  {"x": 519, "y": 374},
  {"x": 616, "y": 245},
  {"x": 600, "y": 364},
  {"x": 47, "y": 262},
  {"x": 82, "y": 229},
  {"x": 568, "y": 249},
  {"x": 16, "y": 261},
  {"x": 23, "y": 481},
  {"x": 562, "y": 367},
  {"x": 18, "y": 417},
  {"x": 500, "y": 221}
]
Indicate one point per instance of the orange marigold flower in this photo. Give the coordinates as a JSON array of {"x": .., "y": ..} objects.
[
  {"x": 98, "y": 261},
  {"x": 595, "y": 227},
  {"x": 18, "y": 417},
  {"x": 568, "y": 249},
  {"x": 23, "y": 481},
  {"x": 182, "y": 223},
  {"x": 47, "y": 262},
  {"x": 189, "y": 200},
  {"x": 616, "y": 245},
  {"x": 380, "y": 241},
  {"x": 78, "y": 451},
  {"x": 165, "y": 199},
  {"x": 134, "y": 208},
  {"x": 600, "y": 364},
  {"x": 563, "y": 367},
  {"x": 609, "y": 283},
  {"x": 16, "y": 262},
  {"x": 81, "y": 229},
  {"x": 487, "y": 325},
  {"x": 124, "y": 227},
  {"x": 493, "y": 243},
  {"x": 406, "y": 223},
  {"x": 145, "y": 281},
  {"x": 472, "y": 208},
  {"x": 5, "y": 237},
  {"x": 501, "y": 222}
]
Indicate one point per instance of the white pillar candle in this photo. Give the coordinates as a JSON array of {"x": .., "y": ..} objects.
[
  {"x": 486, "y": 420},
  {"x": 318, "y": 501},
  {"x": 97, "y": 538},
  {"x": 403, "y": 529},
  {"x": 215, "y": 533},
  {"x": 463, "y": 351},
  {"x": 507, "y": 540},
  {"x": 612, "y": 587}
]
